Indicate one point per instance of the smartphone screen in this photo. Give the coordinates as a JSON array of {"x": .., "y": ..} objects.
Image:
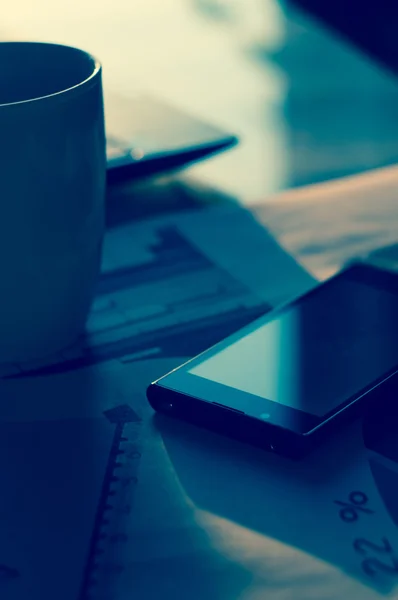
[
  {"x": 316, "y": 353},
  {"x": 305, "y": 362}
]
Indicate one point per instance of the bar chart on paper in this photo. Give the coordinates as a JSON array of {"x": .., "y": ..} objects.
[
  {"x": 80, "y": 463},
  {"x": 175, "y": 302}
]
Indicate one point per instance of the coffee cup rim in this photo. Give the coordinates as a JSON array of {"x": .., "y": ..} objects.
[{"x": 61, "y": 94}]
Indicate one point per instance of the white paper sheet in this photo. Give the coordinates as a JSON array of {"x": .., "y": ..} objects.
[
  {"x": 90, "y": 504},
  {"x": 326, "y": 225},
  {"x": 121, "y": 503}
]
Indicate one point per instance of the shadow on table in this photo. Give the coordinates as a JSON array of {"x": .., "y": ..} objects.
[
  {"x": 134, "y": 200},
  {"x": 286, "y": 501}
]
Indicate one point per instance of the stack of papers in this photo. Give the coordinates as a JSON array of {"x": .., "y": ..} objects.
[
  {"x": 101, "y": 499},
  {"x": 91, "y": 505}
]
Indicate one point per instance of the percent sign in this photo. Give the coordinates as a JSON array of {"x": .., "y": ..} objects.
[{"x": 351, "y": 509}]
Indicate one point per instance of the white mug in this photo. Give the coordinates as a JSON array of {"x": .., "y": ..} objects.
[{"x": 52, "y": 186}]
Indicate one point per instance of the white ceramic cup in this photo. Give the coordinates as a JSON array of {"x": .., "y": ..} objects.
[{"x": 52, "y": 186}]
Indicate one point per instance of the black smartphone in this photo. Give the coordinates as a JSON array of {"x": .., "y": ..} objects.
[{"x": 293, "y": 376}]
